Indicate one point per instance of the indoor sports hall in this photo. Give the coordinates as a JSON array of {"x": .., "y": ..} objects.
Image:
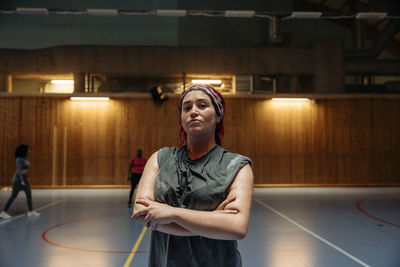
[{"x": 312, "y": 98}]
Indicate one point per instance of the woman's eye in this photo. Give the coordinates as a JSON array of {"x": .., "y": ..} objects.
[{"x": 187, "y": 108}]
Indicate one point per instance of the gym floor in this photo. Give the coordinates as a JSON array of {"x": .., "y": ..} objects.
[{"x": 289, "y": 227}]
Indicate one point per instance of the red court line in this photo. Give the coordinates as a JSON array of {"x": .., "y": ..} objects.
[
  {"x": 372, "y": 216},
  {"x": 83, "y": 249}
]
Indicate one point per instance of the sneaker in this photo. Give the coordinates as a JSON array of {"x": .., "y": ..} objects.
[
  {"x": 33, "y": 213},
  {"x": 5, "y": 215}
]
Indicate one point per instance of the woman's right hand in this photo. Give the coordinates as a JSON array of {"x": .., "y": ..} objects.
[{"x": 22, "y": 183}]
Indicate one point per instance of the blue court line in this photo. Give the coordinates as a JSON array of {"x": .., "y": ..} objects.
[
  {"x": 14, "y": 218},
  {"x": 313, "y": 234}
]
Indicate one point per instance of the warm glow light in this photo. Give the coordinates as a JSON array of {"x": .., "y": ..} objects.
[
  {"x": 64, "y": 82},
  {"x": 90, "y": 98},
  {"x": 207, "y": 81},
  {"x": 291, "y": 99}
]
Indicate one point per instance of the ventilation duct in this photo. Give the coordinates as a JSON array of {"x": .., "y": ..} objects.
[{"x": 385, "y": 37}]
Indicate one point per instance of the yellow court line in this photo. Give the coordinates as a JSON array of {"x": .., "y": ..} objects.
[{"x": 135, "y": 247}]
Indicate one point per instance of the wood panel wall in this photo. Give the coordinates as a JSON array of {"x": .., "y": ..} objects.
[{"x": 329, "y": 142}]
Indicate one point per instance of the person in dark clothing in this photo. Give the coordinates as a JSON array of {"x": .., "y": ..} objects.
[
  {"x": 20, "y": 182},
  {"x": 136, "y": 167}
]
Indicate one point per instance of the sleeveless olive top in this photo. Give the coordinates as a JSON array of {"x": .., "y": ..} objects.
[{"x": 199, "y": 184}]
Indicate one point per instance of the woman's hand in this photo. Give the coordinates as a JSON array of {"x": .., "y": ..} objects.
[{"x": 152, "y": 213}]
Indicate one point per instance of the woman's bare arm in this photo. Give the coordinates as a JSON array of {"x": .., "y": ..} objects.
[
  {"x": 230, "y": 222},
  {"x": 145, "y": 192}
]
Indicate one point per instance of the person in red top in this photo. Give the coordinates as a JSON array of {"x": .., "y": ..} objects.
[{"x": 136, "y": 167}]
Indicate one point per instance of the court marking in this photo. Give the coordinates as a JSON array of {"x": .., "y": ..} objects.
[
  {"x": 369, "y": 214},
  {"x": 14, "y": 218},
  {"x": 44, "y": 237},
  {"x": 135, "y": 247},
  {"x": 312, "y": 233}
]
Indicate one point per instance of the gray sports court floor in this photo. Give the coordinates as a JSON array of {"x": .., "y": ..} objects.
[{"x": 327, "y": 227}]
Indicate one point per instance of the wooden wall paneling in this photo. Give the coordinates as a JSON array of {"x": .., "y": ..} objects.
[
  {"x": 74, "y": 124},
  {"x": 145, "y": 61},
  {"x": 130, "y": 60},
  {"x": 217, "y": 64},
  {"x": 55, "y": 130},
  {"x": 175, "y": 61},
  {"x": 45, "y": 114},
  {"x": 308, "y": 134},
  {"x": 297, "y": 135},
  {"x": 333, "y": 141},
  {"x": 334, "y": 126},
  {"x": 119, "y": 144},
  {"x": 168, "y": 116},
  {"x": 244, "y": 60},
  {"x": 260, "y": 130},
  {"x": 381, "y": 136},
  {"x": 3, "y": 136},
  {"x": 280, "y": 150},
  {"x": 104, "y": 150},
  {"x": 9, "y": 123},
  {"x": 158, "y": 60},
  {"x": 72, "y": 60},
  {"x": 316, "y": 144},
  {"x": 230, "y": 60},
  {"x": 91, "y": 60},
  {"x": 360, "y": 137},
  {"x": 90, "y": 139},
  {"x": 386, "y": 136},
  {"x": 254, "y": 128},
  {"x": 59, "y": 122},
  {"x": 28, "y": 132},
  {"x": 257, "y": 61},
  {"x": 190, "y": 59},
  {"x": 204, "y": 57}
]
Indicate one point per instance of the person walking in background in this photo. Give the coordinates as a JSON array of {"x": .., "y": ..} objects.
[
  {"x": 196, "y": 198},
  {"x": 136, "y": 167},
  {"x": 20, "y": 182}
]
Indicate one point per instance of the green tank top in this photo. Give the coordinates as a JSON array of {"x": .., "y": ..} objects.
[{"x": 199, "y": 184}]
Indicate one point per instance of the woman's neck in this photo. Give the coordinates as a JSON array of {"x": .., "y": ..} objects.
[{"x": 199, "y": 148}]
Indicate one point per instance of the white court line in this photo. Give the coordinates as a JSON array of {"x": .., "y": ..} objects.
[
  {"x": 14, "y": 218},
  {"x": 313, "y": 234}
]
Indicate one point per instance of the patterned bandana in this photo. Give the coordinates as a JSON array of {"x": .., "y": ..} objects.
[{"x": 217, "y": 101}]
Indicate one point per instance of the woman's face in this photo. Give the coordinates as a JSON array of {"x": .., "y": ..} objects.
[{"x": 198, "y": 114}]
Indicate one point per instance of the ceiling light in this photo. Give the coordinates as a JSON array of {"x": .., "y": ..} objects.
[
  {"x": 371, "y": 15},
  {"x": 207, "y": 81},
  {"x": 170, "y": 13},
  {"x": 305, "y": 15},
  {"x": 298, "y": 99},
  {"x": 102, "y": 12},
  {"x": 89, "y": 98},
  {"x": 239, "y": 13},
  {"x": 32, "y": 11},
  {"x": 63, "y": 82}
]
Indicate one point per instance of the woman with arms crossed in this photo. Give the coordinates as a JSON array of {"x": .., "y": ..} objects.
[{"x": 196, "y": 198}]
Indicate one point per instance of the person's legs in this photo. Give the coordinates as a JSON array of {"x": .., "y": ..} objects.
[
  {"x": 27, "y": 189},
  {"x": 15, "y": 190},
  {"x": 28, "y": 193},
  {"x": 133, "y": 185},
  {"x": 135, "y": 178}
]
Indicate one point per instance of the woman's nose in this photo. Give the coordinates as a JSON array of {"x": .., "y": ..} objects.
[{"x": 193, "y": 112}]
